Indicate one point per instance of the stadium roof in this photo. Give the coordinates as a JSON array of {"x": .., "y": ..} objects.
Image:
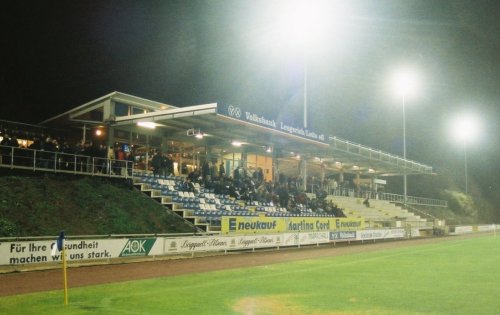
[{"x": 221, "y": 124}]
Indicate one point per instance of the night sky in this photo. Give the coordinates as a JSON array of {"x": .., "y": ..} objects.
[{"x": 60, "y": 54}]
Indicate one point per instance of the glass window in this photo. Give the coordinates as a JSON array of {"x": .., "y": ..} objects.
[
  {"x": 121, "y": 110},
  {"x": 136, "y": 110}
]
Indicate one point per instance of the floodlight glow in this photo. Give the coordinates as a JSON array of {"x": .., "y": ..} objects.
[
  {"x": 465, "y": 128},
  {"x": 301, "y": 22},
  {"x": 236, "y": 143},
  {"x": 405, "y": 82},
  {"x": 98, "y": 132},
  {"x": 146, "y": 124}
]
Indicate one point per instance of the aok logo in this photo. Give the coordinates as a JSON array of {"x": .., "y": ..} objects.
[
  {"x": 234, "y": 111},
  {"x": 138, "y": 247}
]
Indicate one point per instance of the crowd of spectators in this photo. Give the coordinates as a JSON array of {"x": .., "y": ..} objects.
[
  {"x": 52, "y": 152},
  {"x": 244, "y": 184},
  {"x": 251, "y": 187}
]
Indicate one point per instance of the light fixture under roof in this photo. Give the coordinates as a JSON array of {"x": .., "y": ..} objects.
[
  {"x": 146, "y": 124},
  {"x": 236, "y": 143},
  {"x": 195, "y": 133}
]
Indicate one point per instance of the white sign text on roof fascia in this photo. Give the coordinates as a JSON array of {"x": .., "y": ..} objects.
[{"x": 237, "y": 113}]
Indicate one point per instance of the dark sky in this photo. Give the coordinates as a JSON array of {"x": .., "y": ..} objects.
[{"x": 60, "y": 54}]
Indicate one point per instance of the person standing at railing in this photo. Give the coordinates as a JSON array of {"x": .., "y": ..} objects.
[
  {"x": 101, "y": 158},
  {"x": 48, "y": 154},
  {"x": 66, "y": 158},
  {"x": 7, "y": 144},
  {"x": 120, "y": 157},
  {"x": 130, "y": 163},
  {"x": 88, "y": 152}
]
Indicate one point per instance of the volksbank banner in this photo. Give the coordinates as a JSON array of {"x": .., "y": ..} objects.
[
  {"x": 343, "y": 235},
  {"x": 239, "y": 113},
  {"x": 252, "y": 225}
]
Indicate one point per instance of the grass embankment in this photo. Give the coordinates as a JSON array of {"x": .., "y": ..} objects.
[
  {"x": 452, "y": 277},
  {"x": 43, "y": 204}
]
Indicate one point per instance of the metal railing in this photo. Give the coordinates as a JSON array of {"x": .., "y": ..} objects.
[
  {"x": 367, "y": 152},
  {"x": 410, "y": 200},
  {"x": 60, "y": 162}
]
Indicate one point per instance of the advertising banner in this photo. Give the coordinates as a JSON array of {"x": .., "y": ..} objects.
[
  {"x": 474, "y": 228},
  {"x": 220, "y": 243},
  {"x": 18, "y": 253},
  {"x": 343, "y": 235},
  {"x": 307, "y": 238},
  {"x": 31, "y": 252},
  {"x": 463, "y": 229},
  {"x": 253, "y": 225},
  {"x": 380, "y": 234}
]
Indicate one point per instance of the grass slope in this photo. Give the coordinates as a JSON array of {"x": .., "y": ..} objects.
[
  {"x": 454, "y": 277},
  {"x": 45, "y": 204}
]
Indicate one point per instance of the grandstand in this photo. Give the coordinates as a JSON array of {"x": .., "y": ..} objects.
[
  {"x": 378, "y": 212},
  {"x": 206, "y": 133},
  {"x": 205, "y": 209}
]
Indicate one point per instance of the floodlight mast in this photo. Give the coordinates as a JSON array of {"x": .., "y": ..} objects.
[
  {"x": 405, "y": 83},
  {"x": 302, "y": 24},
  {"x": 466, "y": 129}
]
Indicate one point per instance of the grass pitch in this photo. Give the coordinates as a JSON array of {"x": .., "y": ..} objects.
[{"x": 453, "y": 277}]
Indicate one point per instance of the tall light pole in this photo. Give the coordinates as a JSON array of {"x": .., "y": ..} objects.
[
  {"x": 465, "y": 168},
  {"x": 405, "y": 184},
  {"x": 405, "y": 84},
  {"x": 465, "y": 128},
  {"x": 305, "y": 91},
  {"x": 302, "y": 25}
]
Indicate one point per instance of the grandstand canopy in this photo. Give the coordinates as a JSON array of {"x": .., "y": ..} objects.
[{"x": 221, "y": 124}]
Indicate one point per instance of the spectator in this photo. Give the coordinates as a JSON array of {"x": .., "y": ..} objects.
[
  {"x": 188, "y": 185},
  {"x": 168, "y": 165},
  {"x": 222, "y": 170},
  {"x": 283, "y": 195},
  {"x": 366, "y": 202},
  {"x": 156, "y": 163},
  {"x": 6, "y": 143},
  {"x": 205, "y": 171}
]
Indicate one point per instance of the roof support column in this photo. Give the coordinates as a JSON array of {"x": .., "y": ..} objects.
[
  {"x": 303, "y": 173},
  {"x": 108, "y": 109},
  {"x": 275, "y": 167},
  {"x": 358, "y": 183}
]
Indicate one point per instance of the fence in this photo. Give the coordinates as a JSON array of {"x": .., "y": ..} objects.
[{"x": 59, "y": 162}]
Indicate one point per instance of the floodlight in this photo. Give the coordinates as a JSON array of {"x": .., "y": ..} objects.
[
  {"x": 465, "y": 127},
  {"x": 405, "y": 82}
]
